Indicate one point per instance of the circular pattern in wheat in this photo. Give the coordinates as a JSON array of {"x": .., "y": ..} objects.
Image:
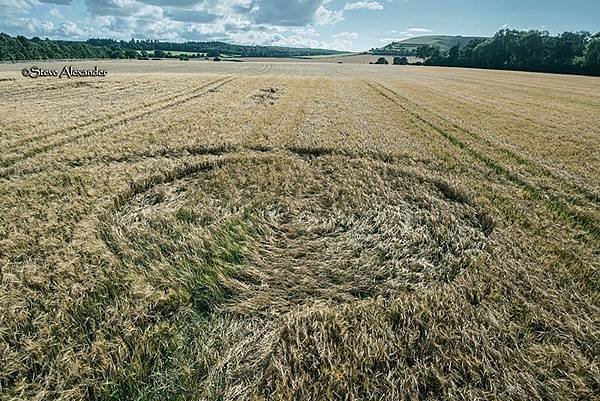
[{"x": 264, "y": 232}]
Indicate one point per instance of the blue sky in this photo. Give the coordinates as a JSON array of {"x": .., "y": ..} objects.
[{"x": 341, "y": 24}]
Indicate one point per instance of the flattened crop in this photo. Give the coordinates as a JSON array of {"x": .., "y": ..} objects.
[{"x": 266, "y": 231}]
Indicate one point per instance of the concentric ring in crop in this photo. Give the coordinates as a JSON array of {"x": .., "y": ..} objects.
[{"x": 264, "y": 232}]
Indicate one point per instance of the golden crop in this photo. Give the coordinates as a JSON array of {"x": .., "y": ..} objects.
[{"x": 299, "y": 231}]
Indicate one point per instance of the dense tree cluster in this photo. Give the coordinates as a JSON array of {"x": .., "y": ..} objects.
[
  {"x": 22, "y": 48},
  {"x": 381, "y": 60},
  {"x": 570, "y": 52}
]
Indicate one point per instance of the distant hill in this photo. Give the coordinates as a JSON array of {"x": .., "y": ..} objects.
[{"x": 405, "y": 47}]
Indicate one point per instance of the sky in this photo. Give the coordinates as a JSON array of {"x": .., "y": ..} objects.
[{"x": 353, "y": 25}]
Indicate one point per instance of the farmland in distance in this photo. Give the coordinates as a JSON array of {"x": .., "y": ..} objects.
[{"x": 299, "y": 230}]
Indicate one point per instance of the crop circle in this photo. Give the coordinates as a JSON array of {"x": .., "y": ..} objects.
[{"x": 265, "y": 232}]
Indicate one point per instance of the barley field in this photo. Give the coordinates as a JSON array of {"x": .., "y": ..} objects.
[{"x": 299, "y": 231}]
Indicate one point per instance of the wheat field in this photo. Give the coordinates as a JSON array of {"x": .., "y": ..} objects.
[{"x": 299, "y": 231}]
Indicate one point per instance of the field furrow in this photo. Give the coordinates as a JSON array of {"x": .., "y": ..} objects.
[
  {"x": 104, "y": 119},
  {"x": 513, "y": 155},
  {"x": 489, "y": 154},
  {"x": 92, "y": 131}
]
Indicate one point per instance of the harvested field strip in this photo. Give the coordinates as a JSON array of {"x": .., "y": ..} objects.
[
  {"x": 104, "y": 119},
  {"x": 97, "y": 130},
  {"x": 556, "y": 206}
]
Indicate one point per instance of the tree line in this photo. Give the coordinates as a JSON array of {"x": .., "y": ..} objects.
[
  {"x": 22, "y": 48},
  {"x": 538, "y": 51},
  {"x": 212, "y": 49}
]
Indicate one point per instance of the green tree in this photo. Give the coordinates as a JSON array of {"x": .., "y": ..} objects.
[
  {"x": 591, "y": 59},
  {"x": 427, "y": 52},
  {"x": 130, "y": 53},
  {"x": 454, "y": 55},
  {"x": 116, "y": 53},
  {"x": 568, "y": 48}
]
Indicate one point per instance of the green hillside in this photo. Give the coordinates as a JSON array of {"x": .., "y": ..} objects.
[{"x": 405, "y": 47}]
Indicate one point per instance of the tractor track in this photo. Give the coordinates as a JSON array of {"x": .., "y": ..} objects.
[
  {"x": 277, "y": 114},
  {"x": 95, "y": 130},
  {"x": 556, "y": 206},
  {"x": 88, "y": 124},
  {"x": 532, "y": 165}
]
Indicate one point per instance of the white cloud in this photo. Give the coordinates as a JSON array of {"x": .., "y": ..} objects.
[
  {"x": 27, "y": 26},
  {"x": 285, "y": 12},
  {"x": 123, "y": 8},
  {"x": 419, "y": 30},
  {"x": 324, "y": 16},
  {"x": 59, "y": 2},
  {"x": 369, "y": 5},
  {"x": 346, "y": 35},
  {"x": 16, "y": 6},
  {"x": 55, "y": 12},
  {"x": 343, "y": 40},
  {"x": 266, "y": 22}
]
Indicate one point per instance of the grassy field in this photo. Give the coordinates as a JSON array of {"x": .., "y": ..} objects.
[
  {"x": 178, "y": 53},
  {"x": 299, "y": 231},
  {"x": 444, "y": 42}
]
